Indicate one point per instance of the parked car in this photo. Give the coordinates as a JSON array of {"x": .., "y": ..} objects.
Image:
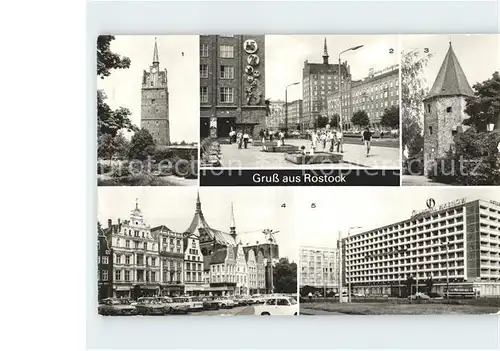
[
  {"x": 282, "y": 305},
  {"x": 419, "y": 296},
  {"x": 258, "y": 298},
  {"x": 359, "y": 295},
  {"x": 210, "y": 303},
  {"x": 225, "y": 302},
  {"x": 115, "y": 307},
  {"x": 150, "y": 306},
  {"x": 435, "y": 296},
  {"x": 194, "y": 303},
  {"x": 172, "y": 306}
]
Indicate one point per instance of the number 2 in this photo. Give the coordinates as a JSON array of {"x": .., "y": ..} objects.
[{"x": 391, "y": 51}]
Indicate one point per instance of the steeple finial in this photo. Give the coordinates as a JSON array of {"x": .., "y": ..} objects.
[
  {"x": 325, "y": 53},
  {"x": 232, "y": 224},
  {"x": 198, "y": 203},
  {"x": 136, "y": 203},
  {"x": 155, "y": 54}
]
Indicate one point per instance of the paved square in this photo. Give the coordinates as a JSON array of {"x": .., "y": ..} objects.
[{"x": 354, "y": 157}]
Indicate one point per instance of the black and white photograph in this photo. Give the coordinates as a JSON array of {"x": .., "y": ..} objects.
[
  {"x": 167, "y": 251},
  {"x": 399, "y": 251},
  {"x": 274, "y": 101},
  {"x": 451, "y": 109},
  {"x": 147, "y": 110}
]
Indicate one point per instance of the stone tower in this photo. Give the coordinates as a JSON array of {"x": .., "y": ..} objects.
[
  {"x": 444, "y": 108},
  {"x": 154, "y": 101}
]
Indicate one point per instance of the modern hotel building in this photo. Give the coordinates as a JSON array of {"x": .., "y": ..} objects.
[
  {"x": 457, "y": 243},
  {"x": 319, "y": 267}
]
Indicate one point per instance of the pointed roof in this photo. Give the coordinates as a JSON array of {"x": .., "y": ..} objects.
[
  {"x": 155, "y": 54},
  {"x": 199, "y": 222},
  {"x": 451, "y": 79},
  {"x": 325, "y": 49}
]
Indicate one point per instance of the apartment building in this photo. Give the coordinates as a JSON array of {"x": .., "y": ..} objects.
[{"x": 319, "y": 267}]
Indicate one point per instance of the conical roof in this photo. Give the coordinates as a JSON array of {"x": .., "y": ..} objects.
[{"x": 451, "y": 79}]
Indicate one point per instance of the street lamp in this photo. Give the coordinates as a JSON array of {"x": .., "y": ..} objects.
[
  {"x": 286, "y": 106},
  {"x": 340, "y": 89}
]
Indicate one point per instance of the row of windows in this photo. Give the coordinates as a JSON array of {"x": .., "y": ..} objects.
[
  {"x": 137, "y": 245},
  {"x": 129, "y": 259},
  {"x": 226, "y": 95},
  {"x": 226, "y": 72},
  {"x": 193, "y": 266},
  {"x": 225, "y": 51}
]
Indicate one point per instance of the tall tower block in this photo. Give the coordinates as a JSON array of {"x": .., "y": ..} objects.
[
  {"x": 154, "y": 101},
  {"x": 444, "y": 108}
]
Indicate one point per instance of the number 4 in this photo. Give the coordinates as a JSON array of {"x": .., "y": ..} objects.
[{"x": 283, "y": 205}]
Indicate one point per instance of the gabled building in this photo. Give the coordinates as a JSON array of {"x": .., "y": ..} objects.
[
  {"x": 171, "y": 250},
  {"x": 104, "y": 265}
]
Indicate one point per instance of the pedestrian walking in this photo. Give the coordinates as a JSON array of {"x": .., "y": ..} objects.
[
  {"x": 262, "y": 136},
  {"x": 367, "y": 139},
  {"x": 331, "y": 139},
  {"x": 310, "y": 296},
  {"x": 231, "y": 135},
  {"x": 322, "y": 138},
  {"x": 239, "y": 138},
  {"x": 340, "y": 141},
  {"x": 246, "y": 137}
]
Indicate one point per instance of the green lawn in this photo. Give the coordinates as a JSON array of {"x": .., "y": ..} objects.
[{"x": 358, "y": 308}]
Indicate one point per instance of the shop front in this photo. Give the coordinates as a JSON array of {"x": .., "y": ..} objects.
[
  {"x": 172, "y": 289},
  {"x": 122, "y": 291}
]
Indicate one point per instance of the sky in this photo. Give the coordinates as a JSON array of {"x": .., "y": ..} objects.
[
  {"x": 339, "y": 208},
  {"x": 254, "y": 209},
  {"x": 285, "y": 56},
  {"x": 123, "y": 87},
  {"x": 479, "y": 55}
]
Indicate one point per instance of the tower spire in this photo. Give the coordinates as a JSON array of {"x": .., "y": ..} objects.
[
  {"x": 325, "y": 53},
  {"x": 198, "y": 203},
  {"x": 232, "y": 224},
  {"x": 156, "y": 60}
]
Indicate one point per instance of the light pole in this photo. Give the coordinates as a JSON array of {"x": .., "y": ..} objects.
[
  {"x": 286, "y": 106},
  {"x": 349, "y": 285},
  {"x": 340, "y": 89}
]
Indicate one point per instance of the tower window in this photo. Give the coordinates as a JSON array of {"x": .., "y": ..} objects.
[
  {"x": 151, "y": 83},
  {"x": 430, "y": 130},
  {"x": 153, "y": 101},
  {"x": 448, "y": 109},
  {"x": 429, "y": 108}
]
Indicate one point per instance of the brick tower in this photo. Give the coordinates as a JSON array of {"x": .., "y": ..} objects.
[
  {"x": 154, "y": 101},
  {"x": 444, "y": 108}
]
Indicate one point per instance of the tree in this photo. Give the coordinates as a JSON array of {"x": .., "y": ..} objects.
[
  {"x": 484, "y": 107},
  {"x": 390, "y": 118},
  {"x": 409, "y": 284},
  {"x": 413, "y": 91},
  {"x": 109, "y": 146},
  {"x": 322, "y": 121},
  {"x": 183, "y": 143},
  {"x": 360, "y": 118},
  {"x": 141, "y": 145},
  {"x": 112, "y": 121},
  {"x": 106, "y": 59},
  {"x": 285, "y": 276},
  {"x": 334, "y": 120}
]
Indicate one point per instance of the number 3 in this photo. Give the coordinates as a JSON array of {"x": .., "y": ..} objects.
[{"x": 426, "y": 50}]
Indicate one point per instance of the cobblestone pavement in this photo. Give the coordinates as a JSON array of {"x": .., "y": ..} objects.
[{"x": 354, "y": 157}]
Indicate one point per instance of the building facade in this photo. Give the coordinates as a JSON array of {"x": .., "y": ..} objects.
[
  {"x": 232, "y": 84},
  {"x": 294, "y": 115},
  {"x": 319, "y": 268},
  {"x": 104, "y": 266},
  {"x": 444, "y": 109},
  {"x": 154, "y": 101},
  {"x": 171, "y": 251},
  {"x": 318, "y": 81},
  {"x": 136, "y": 263},
  {"x": 456, "y": 244},
  {"x": 374, "y": 94}
]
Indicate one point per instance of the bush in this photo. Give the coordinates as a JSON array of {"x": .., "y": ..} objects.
[
  {"x": 414, "y": 165},
  {"x": 475, "y": 160},
  {"x": 103, "y": 168}
]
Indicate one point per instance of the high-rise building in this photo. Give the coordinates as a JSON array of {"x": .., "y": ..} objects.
[
  {"x": 455, "y": 245},
  {"x": 374, "y": 94},
  {"x": 318, "y": 81},
  {"x": 154, "y": 101},
  {"x": 444, "y": 108},
  {"x": 319, "y": 268},
  {"x": 232, "y": 84}
]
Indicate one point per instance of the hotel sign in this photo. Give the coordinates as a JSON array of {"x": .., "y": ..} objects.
[
  {"x": 431, "y": 207},
  {"x": 495, "y": 202}
]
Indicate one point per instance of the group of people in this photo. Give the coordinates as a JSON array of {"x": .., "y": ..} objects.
[
  {"x": 240, "y": 137},
  {"x": 266, "y": 134},
  {"x": 334, "y": 140},
  {"x": 331, "y": 138}
]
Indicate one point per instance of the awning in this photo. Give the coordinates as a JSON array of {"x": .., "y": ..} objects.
[{"x": 122, "y": 288}]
